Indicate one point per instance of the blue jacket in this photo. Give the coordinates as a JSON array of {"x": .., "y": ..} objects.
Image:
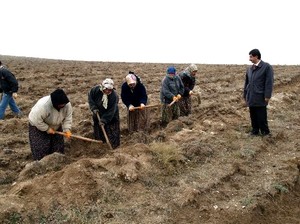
[
  {"x": 8, "y": 82},
  {"x": 134, "y": 96},
  {"x": 170, "y": 87},
  {"x": 258, "y": 84}
]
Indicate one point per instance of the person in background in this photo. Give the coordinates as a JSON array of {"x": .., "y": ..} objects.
[
  {"x": 103, "y": 100},
  {"x": 258, "y": 89},
  {"x": 50, "y": 114},
  {"x": 133, "y": 95},
  {"x": 171, "y": 91},
  {"x": 9, "y": 88},
  {"x": 188, "y": 79}
]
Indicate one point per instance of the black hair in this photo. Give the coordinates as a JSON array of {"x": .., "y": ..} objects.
[{"x": 255, "y": 52}]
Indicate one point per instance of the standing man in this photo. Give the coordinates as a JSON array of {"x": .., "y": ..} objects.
[
  {"x": 258, "y": 91},
  {"x": 171, "y": 91},
  {"x": 9, "y": 88},
  {"x": 50, "y": 114},
  {"x": 134, "y": 95},
  {"x": 103, "y": 100},
  {"x": 188, "y": 77}
]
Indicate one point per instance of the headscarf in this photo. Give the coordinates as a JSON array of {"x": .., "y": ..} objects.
[
  {"x": 191, "y": 68},
  {"x": 130, "y": 79},
  {"x": 106, "y": 84},
  {"x": 58, "y": 97}
]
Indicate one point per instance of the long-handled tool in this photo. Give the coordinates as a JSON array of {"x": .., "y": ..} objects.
[
  {"x": 79, "y": 137},
  {"x": 170, "y": 104},
  {"x": 104, "y": 132},
  {"x": 147, "y": 106}
]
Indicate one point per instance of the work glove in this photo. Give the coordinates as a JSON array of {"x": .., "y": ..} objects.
[
  {"x": 95, "y": 111},
  {"x": 15, "y": 95},
  {"x": 178, "y": 97},
  {"x": 51, "y": 131},
  {"x": 68, "y": 134},
  {"x": 131, "y": 108},
  {"x": 175, "y": 98},
  {"x": 191, "y": 93},
  {"x": 142, "y": 106}
]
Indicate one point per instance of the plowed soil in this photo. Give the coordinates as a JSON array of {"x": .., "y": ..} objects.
[{"x": 203, "y": 168}]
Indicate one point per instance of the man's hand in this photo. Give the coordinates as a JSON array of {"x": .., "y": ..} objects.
[
  {"x": 191, "y": 93},
  {"x": 68, "y": 134},
  {"x": 178, "y": 97},
  {"x": 15, "y": 95},
  {"x": 51, "y": 131},
  {"x": 175, "y": 98}
]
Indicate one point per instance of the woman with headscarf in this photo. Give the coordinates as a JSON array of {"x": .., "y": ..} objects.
[
  {"x": 188, "y": 77},
  {"x": 50, "y": 114},
  {"x": 170, "y": 93},
  {"x": 134, "y": 95},
  {"x": 103, "y": 100}
]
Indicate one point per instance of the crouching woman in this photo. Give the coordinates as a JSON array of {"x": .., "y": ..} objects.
[{"x": 50, "y": 114}]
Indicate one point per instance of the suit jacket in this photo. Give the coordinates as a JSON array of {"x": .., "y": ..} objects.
[{"x": 258, "y": 84}]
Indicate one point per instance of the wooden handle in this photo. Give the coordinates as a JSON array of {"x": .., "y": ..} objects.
[
  {"x": 170, "y": 104},
  {"x": 146, "y": 106},
  {"x": 79, "y": 137},
  {"x": 104, "y": 132}
]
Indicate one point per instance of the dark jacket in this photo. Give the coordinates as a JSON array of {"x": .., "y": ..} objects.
[
  {"x": 188, "y": 82},
  {"x": 258, "y": 84},
  {"x": 134, "y": 96},
  {"x": 109, "y": 115},
  {"x": 170, "y": 87},
  {"x": 8, "y": 82}
]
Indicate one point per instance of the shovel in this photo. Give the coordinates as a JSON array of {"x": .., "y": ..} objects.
[
  {"x": 79, "y": 137},
  {"x": 104, "y": 132}
]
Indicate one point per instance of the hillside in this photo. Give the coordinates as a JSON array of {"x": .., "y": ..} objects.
[{"x": 199, "y": 169}]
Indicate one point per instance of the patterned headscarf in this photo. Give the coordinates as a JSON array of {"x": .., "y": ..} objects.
[
  {"x": 130, "y": 79},
  {"x": 191, "y": 68}
]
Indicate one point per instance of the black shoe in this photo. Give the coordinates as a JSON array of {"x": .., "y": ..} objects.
[
  {"x": 266, "y": 134},
  {"x": 254, "y": 133}
]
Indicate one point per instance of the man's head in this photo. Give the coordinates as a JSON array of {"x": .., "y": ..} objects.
[{"x": 254, "y": 56}]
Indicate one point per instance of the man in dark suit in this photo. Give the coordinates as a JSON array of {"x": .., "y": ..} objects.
[{"x": 257, "y": 92}]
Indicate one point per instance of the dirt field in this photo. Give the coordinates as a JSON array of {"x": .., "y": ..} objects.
[{"x": 199, "y": 169}]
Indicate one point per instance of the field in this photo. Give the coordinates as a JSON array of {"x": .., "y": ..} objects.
[{"x": 203, "y": 168}]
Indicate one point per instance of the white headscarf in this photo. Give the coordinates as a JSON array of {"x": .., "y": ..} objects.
[{"x": 106, "y": 84}]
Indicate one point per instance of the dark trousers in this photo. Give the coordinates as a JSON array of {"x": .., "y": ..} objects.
[{"x": 259, "y": 120}]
